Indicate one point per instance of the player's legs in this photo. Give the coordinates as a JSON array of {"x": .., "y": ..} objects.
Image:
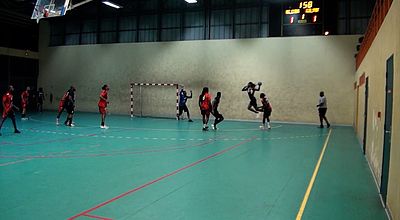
[
  {"x": 252, "y": 106},
  {"x": 218, "y": 118},
  {"x": 266, "y": 115},
  {"x": 70, "y": 111},
  {"x": 187, "y": 112},
  {"x": 322, "y": 117},
  {"x": 326, "y": 120},
  {"x": 23, "y": 114},
  {"x": 12, "y": 116},
  {"x": 103, "y": 113},
  {"x": 60, "y": 110},
  {"x": 180, "y": 112},
  {"x": 205, "y": 116},
  {"x": 2, "y": 121}
]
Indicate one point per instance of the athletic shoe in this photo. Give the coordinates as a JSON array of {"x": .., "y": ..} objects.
[
  {"x": 262, "y": 127},
  {"x": 190, "y": 120},
  {"x": 17, "y": 132},
  {"x": 57, "y": 121},
  {"x": 102, "y": 126},
  {"x": 213, "y": 127},
  {"x": 269, "y": 126},
  {"x": 328, "y": 126}
]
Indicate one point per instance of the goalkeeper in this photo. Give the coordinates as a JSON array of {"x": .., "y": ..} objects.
[
  {"x": 183, "y": 97},
  {"x": 251, "y": 88}
]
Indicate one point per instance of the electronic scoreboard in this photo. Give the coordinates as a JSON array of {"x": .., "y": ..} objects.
[{"x": 305, "y": 17}]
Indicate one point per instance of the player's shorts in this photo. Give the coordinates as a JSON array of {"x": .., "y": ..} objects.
[
  {"x": 322, "y": 111},
  {"x": 267, "y": 112},
  {"x": 24, "y": 104},
  {"x": 102, "y": 110},
  {"x": 205, "y": 112},
  {"x": 70, "y": 109},
  {"x": 9, "y": 114},
  {"x": 183, "y": 108},
  {"x": 253, "y": 102}
]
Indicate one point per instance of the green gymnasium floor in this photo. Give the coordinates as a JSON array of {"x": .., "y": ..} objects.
[{"x": 145, "y": 168}]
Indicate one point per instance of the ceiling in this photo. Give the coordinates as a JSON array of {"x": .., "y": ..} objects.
[{"x": 18, "y": 12}]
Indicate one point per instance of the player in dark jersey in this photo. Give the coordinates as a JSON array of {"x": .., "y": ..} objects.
[
  {"x": 103, "y": 105},
  {"x": 8, "y": 108},
  {"x": 251, "y": 88},
  {"x": 69, "y": 104},
  {"x": 215, "y": 112},
  {"x": 40, "y": 99},
  {"x": 266, "y": 108},
  {"x": 205, "y": 107},
  {"x": 183, "y": 97},
  {"x": 24, "y": 102}
]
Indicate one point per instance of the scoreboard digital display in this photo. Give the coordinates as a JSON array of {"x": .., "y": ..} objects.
[{"x": 302, "y": 12}]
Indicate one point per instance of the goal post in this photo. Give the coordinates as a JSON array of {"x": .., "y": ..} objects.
[{"x": 140, "y": 85}]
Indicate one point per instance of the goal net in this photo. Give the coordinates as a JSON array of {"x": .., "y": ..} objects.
[{"x": 154, "y": 100}]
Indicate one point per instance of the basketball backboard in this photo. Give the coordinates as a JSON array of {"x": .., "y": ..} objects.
[{"x": 50, "y": 8}]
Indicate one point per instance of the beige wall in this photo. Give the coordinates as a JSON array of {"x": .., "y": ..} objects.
[
  {"x": 385, "y": 44},
  {"x": 293, "y": 71}
]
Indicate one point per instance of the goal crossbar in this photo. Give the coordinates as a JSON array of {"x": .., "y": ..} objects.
[{"x": 176, "y": 85}]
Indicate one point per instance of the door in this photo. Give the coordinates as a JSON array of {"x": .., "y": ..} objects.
[
  {"x": 365, "y": 114},
  {"x": 387, "y": 128}
]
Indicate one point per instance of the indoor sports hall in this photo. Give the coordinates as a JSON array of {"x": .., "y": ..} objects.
[{"x": 207, "y": 109}]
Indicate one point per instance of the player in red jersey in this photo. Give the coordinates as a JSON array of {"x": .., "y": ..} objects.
[
  {"x": 266, "y": 108},
  {"x": 8, "y": 108},
  {"x": 103, "y": 105},
  {"x": 61, "y": 106},
  {"x": 24, "y": 102},
  {"x": 205, "y": 107}
]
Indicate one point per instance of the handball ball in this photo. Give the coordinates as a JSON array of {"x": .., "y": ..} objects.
[{"x": 259, "y": 83}]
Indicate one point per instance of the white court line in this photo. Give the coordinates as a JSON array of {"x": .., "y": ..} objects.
[
  {"x": 173, "y": 138},
  {"x": 14, "y": 162},
  {"x": 160, "y": 129}
]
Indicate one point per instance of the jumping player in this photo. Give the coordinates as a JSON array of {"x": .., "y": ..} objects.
[
  {"x": 322, "y": 108},
  {"x": 266, "y": 108},
  {"x": 251, "y": 88},
  {"x": 103, "y": 105},
  {"x": 24, "y": 102},
  {"x": 217, "y": 115},
  {"x": 205, "y": 107},
  {"x": 183, "y": 97},
  {"x": 8, "y": 108}
]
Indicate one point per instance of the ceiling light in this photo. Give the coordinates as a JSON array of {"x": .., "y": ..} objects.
[
  {"x": 191, "y": 1},
  {"x": 111, "y": 4}
]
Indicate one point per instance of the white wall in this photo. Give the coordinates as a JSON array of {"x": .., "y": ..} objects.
[
  {"x": 385, "y": 44},
  {"x": 293, "y": 71}
]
